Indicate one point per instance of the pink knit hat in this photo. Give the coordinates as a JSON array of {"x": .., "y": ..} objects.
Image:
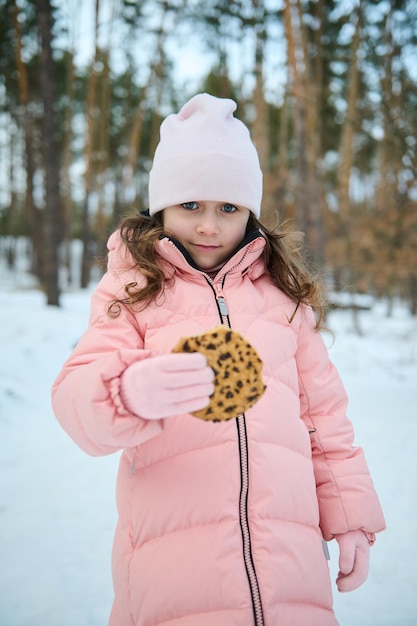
[{"x": 205, "y": 153}]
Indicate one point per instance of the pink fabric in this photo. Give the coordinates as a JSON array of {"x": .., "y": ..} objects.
[
  {"x": 353, "y": 560},
  {"x": 178, "y": 555},
  {"x": 167, "y": 385},
  {"x": 205, "y": 153}
]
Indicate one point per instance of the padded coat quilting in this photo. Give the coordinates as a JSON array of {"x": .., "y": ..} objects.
[{"x": 220, "y": 523}]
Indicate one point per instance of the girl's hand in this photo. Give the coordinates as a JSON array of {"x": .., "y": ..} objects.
[
  {"x": 167, "y": 385},
  {"x": 353, "y": 560}
]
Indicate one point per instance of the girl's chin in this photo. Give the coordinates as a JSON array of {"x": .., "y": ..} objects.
[{"x": 206, "y": 265}]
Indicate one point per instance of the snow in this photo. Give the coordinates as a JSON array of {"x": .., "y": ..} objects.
[{"x": 57, "y": 505}]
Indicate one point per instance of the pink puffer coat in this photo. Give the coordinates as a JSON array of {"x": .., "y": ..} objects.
[{"x": 220, "y": 524}]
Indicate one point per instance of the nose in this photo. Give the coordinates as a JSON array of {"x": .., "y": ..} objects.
[{"x": 208, "y": 224}]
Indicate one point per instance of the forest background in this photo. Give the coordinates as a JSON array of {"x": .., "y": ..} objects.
[{"x": 328, "y": 89}]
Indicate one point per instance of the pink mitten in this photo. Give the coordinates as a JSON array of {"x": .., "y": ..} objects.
[
  {"x": 353, "y": 560},
  {"x": 167, "y": 385}
]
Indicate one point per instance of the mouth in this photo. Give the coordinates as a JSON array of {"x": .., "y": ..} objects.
[{"x": 205, "y": 247}]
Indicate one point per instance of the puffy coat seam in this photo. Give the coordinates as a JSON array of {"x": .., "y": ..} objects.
[
  {"x": 288, "y": 521},
  {"x": 308, "y": 603},
  {"x": 180, "y": 453},
  {"x": 187, "y": 615},
  {"x": 284, "y": 447},
  {"x": 184, "y": 529},
  {"x": 322, "y": 452},
  {"x": 129, "y": 586}
]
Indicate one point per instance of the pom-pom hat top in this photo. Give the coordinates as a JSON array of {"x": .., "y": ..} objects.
[{"x": 205, "y": 153}]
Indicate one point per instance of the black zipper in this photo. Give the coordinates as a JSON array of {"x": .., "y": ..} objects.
[
  {"x": 244, "y": 521},
  {"x": 244, "y": 488}
]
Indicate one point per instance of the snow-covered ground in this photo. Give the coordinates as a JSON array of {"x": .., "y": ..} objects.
[{"x": 57, "y": 510}]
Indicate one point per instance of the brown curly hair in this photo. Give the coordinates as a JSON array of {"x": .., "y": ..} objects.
[{"x": 283, "y": 256}]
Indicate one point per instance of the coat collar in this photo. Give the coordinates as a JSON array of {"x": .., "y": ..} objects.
[{"x": 245, "y": 258}]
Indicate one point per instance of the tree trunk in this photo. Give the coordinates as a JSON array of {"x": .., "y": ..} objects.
[
  {"x": 296, "y": 88},
  {"x": 33, "y": 219},
  {"x": 314, "y": 134},
  {"x": 346, "y": 152},
  {"x": 283, "y": 173},
  {"x": 304, "y": 91},
  {"x": 66, "y": 165},
  {"x": 103, "y": 161},
  {"x": 260, "y": 126},
  {"x": 88, "y": 157},
  {"x": 413, "y": 294},
  {"x": 50, "y": 148}
]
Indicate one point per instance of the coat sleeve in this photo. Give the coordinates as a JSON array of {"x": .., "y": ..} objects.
[
  {"x": 85, "y": 395},
  {"x": 346, "y": 495}
]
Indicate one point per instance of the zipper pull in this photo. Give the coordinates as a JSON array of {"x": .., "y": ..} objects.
[{"x": 222, "y": 306}]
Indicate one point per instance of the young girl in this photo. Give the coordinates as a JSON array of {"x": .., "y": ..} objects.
[{"x": 220, "y": 524}]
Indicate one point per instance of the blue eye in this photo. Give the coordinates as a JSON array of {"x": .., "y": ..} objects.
[
  {"x": 189, "y": 206},
  {"x": 229, "y": 208}
]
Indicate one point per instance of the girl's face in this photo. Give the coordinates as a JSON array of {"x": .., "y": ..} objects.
[{"x": 207, "y": 229}]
